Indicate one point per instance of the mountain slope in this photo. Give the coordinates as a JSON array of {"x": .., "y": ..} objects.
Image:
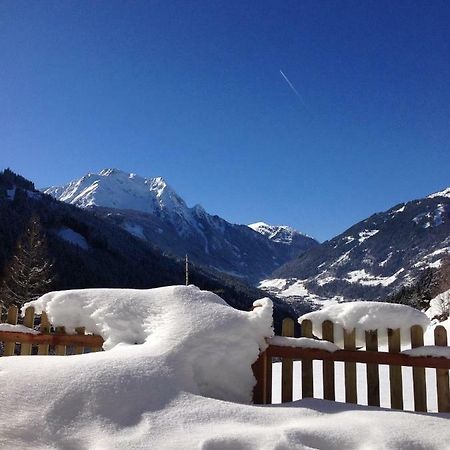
[
  {"x": 151, "y": 210},
  {"x": 89, "y": 251},
  {"x": 375, "y": 257}
]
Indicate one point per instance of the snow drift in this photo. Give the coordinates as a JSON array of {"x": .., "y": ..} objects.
[
  {"x": 169, "y": 350},
  {"x": 368, "y": 316}
]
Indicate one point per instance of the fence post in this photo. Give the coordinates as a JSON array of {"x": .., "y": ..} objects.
[
  {"x": 28, "y": 321},
  {"x": 307, "y": 365},
  {"x": 259, "y": 368},
  {"x": 45, "y": 329},
  {"x": 328, "y": 366},
  {"x": 442, "y": 386},
  {"x": 350, "y": 368},
  {"x": 419, "y": 383},
  {"x": 395, "y": 372},
  {"x": 12, "y": 320},
  {"x": 373, "y": 379},
  {"x": 287, "y": 365}
]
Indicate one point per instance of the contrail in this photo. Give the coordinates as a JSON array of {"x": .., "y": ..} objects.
[{"x": 292, "y": 87}]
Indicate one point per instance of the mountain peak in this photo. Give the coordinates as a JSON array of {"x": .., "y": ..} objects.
[
  {"x": 277, "y": 233},
  {"x": 115, "y": 188}
]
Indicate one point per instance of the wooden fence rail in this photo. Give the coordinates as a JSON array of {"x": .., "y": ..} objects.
[
  {"x": 371, "y": 356},
  {"x": 47, "y": 339}
]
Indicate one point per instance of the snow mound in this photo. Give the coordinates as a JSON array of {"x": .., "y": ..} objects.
[
  {"x": 191, "y": 346},
  {"x": 366, "y": 316},
  {"x": 196, "y": 328}
]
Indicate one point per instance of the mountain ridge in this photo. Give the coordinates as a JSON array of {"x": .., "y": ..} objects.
[
  {"x": 150, "y": 209},
  {"x": 374, "y": 258}
]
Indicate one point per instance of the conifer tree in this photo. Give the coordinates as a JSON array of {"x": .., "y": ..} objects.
[{"x": 29, "y": 274}]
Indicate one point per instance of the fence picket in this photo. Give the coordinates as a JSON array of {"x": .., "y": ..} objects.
[
  {"x": 442, "y": 380},
  {"x": 419, "y": 383},
  {"x": 28, "y": 321},
  {"x": 12, "y": 320},
  {"x": 307, "y": 365},
  {"x": 287, "y": 364},
  {"x": 373, "y": 379},
  {"x": 328, "y": 366},
  {"x": 395, "y": 372},
  {"x": 350, "y": 368}
]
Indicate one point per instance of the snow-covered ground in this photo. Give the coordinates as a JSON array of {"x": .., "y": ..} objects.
[{"x": 177, "y": 375}]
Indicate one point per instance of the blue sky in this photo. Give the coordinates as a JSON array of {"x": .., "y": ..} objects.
[{"x": 192, "y": 91}]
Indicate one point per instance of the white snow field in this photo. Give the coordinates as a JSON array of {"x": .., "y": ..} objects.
[{"x": 176, "y": 374}]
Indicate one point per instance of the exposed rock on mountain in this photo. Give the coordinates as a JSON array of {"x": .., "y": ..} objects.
[
  {"x": 374, "y": 258},
  {"x": 151, "y": 210}
]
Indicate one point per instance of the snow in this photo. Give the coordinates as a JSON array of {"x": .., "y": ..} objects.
[
  {"x": 303, "y": 342},
  {"x": 177, "y": 388},
  {"x": 274, "y": 283},
  {"x": 429, "y": 350},
  {"x": 113, "y": 188},
  {"x": 342, "y": 259},
  {"x": 367, "y": 279},
  {"x": 135, "y": 230},
  {"x": 399, "y": 210},
  {"x": 443, "y": 193},
  {"x": 324, "y": 280},
  {"x": 366, "y": 316},
  {"x": 277, "y": 233},
  {"x": 297, "y": 289},
  {"x": 439, "y": 305},
  {"x": 435, "y": 264},
  {"x": 383, "y": 263},
  {"x": 366, "y": 234},
  {"x": 73, "y": 237},
  {"x": 348, "y": 239},
  {"x": 17, "y": 328}
]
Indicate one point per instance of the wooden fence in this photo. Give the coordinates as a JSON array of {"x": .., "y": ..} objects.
[
  {"x": 48, "y": 339},
  {"x": 371, "y": 356}
]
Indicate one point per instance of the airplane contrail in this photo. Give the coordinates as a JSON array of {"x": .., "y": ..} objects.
[{"x": 292, "y": 86}]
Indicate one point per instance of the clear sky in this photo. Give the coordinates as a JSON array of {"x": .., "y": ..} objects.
[{"x": 192, "y": 91}]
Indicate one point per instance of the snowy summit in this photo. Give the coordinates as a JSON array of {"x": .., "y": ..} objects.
[
  {"x": 277, "y": 233},
  {"x": 114, "y": 188}
]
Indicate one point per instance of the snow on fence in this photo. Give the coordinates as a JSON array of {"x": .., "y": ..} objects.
[
  {"x": 306, "y": 350},
  {"x": 47, "y": 337}
]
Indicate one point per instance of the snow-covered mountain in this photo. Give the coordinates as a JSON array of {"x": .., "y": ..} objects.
[
  {"x": 374, "y": 258},
  {"x": 150, "y": 209},
  {"x": 277, "y": 233}
]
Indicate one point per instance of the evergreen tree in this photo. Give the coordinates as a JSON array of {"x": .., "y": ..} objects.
[{"x": 29, "y": 274}]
